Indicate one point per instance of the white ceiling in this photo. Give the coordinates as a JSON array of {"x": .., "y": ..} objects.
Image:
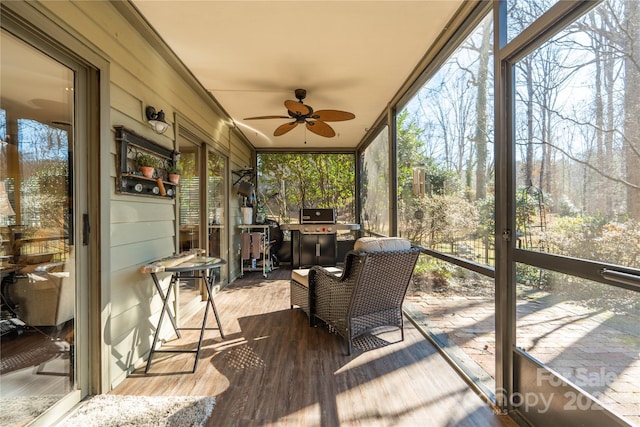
[{"x": 349, "y": 55}]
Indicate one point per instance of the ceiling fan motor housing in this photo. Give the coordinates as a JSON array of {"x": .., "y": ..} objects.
[{"x": 301, "y": 94}]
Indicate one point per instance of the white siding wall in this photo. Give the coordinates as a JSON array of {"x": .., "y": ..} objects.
[{"x": 141, "y": 228}]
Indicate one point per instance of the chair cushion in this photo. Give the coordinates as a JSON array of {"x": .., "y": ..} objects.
[
  {"x": 377, "y": 244},
  {"x": 302, "y": 275}
]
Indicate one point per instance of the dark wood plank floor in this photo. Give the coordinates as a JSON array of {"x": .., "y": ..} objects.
[{"x": 273, "y": 369}]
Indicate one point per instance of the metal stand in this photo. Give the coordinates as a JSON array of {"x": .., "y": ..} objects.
[
  {"x": 265, "y": 255},
  {"x": 206, "y": 268}
]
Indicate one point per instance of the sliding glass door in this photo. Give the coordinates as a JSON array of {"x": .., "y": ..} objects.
[
  {"x": 216, "y": 211},
  {"x": 189, "y": 197},
  {"x": 38, "y": 239}
]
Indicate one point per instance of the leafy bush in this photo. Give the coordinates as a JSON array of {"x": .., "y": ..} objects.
[
  {"x": 596, "y": 238},
  {"x": 430, "y": 274},
  {"x": 486, "y": 216},
  {"x": 437, "y": 219},
  {"x": 531, "y": 276}
]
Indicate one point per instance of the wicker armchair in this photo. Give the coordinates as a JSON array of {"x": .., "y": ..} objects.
[{"x": 369, "y": 293}]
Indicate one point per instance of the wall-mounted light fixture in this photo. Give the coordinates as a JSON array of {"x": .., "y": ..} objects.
[{"x": 156, "y": 120}]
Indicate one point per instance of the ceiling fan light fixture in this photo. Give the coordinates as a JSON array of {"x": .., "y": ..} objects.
[
  {"x": 302, "y": 113},
  {"x": 156, "y": 120}
]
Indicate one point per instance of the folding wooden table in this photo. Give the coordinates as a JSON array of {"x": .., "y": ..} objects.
[{"x": 177, "y": 265}]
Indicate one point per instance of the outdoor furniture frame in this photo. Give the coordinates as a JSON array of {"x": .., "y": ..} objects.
[
  {"x": 370, "y": 292},
  {"x": 299, "y": 288},
  {"x": 299, "y": 295}
]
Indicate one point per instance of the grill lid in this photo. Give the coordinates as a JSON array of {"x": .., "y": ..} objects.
[{"x": 318, "y": 216}]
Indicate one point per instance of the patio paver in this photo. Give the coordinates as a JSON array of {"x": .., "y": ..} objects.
[{"x": 597, "y": 349}]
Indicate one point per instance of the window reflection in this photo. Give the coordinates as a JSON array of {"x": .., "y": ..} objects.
[
  {"x": 37, "y": 258},
  {"x": 374, "y": 185},
  {"x": 189, "y": 195}
]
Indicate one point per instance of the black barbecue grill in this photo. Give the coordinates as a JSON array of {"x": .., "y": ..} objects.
[{"x": 314, "y": 239}]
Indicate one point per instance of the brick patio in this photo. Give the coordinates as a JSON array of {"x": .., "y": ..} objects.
[{"x": 597, "y": 349}]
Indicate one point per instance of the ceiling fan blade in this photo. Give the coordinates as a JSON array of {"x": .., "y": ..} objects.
[
  {"x": 321, "y": 128},
  {"x": 333, "y": 115},
  {"x": 282, "y": 129},
  {"x": 266, "y": 117},
  {"x": 297, "y": 107}
]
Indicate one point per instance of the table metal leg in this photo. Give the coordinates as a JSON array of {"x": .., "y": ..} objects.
[
  {"x": 165, "y": 309},
  {"x": 209, "y": 280}
]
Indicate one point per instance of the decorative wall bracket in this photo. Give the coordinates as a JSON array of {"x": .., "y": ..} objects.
[{"x": 129, "y": 179}]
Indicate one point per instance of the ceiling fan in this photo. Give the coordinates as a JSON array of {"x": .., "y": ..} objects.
[{"x": 314, "y": 120}]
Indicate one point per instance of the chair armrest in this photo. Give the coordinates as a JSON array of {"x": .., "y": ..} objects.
[
  {"x": 335, "y": 273},
  {"x": 329, "y": 295},
  {"x": 322, "y": 279}
]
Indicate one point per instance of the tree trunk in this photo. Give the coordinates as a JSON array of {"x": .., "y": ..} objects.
[
  {"x": 610, "y": 125},
  {"x": 481, "y": 108},
  {"x": 600, "y": 184},
  {"x": 529, "y": 159},
  {"x": 632, "y": 107}
]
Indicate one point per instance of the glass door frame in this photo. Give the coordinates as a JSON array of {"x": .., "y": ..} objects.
[
  {"x": 195, "y": 147},
  {"x": 516, "y": 370},
  {"x": 224, "y": 231},
  {"x": 46, "y": 36},
  {"x": 187, "y": 130}
]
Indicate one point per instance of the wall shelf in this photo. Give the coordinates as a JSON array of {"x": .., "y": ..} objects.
[{"x": 131, "y": 181}]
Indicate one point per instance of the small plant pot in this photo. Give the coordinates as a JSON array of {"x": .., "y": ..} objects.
[
  {"x": 174, "y": 178},
  {"x": 147, "y": 171}
]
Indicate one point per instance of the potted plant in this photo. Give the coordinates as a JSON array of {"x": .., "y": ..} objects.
[
  {"x": 174, "y": 174},
  {"x": 147, "y": 164}
]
